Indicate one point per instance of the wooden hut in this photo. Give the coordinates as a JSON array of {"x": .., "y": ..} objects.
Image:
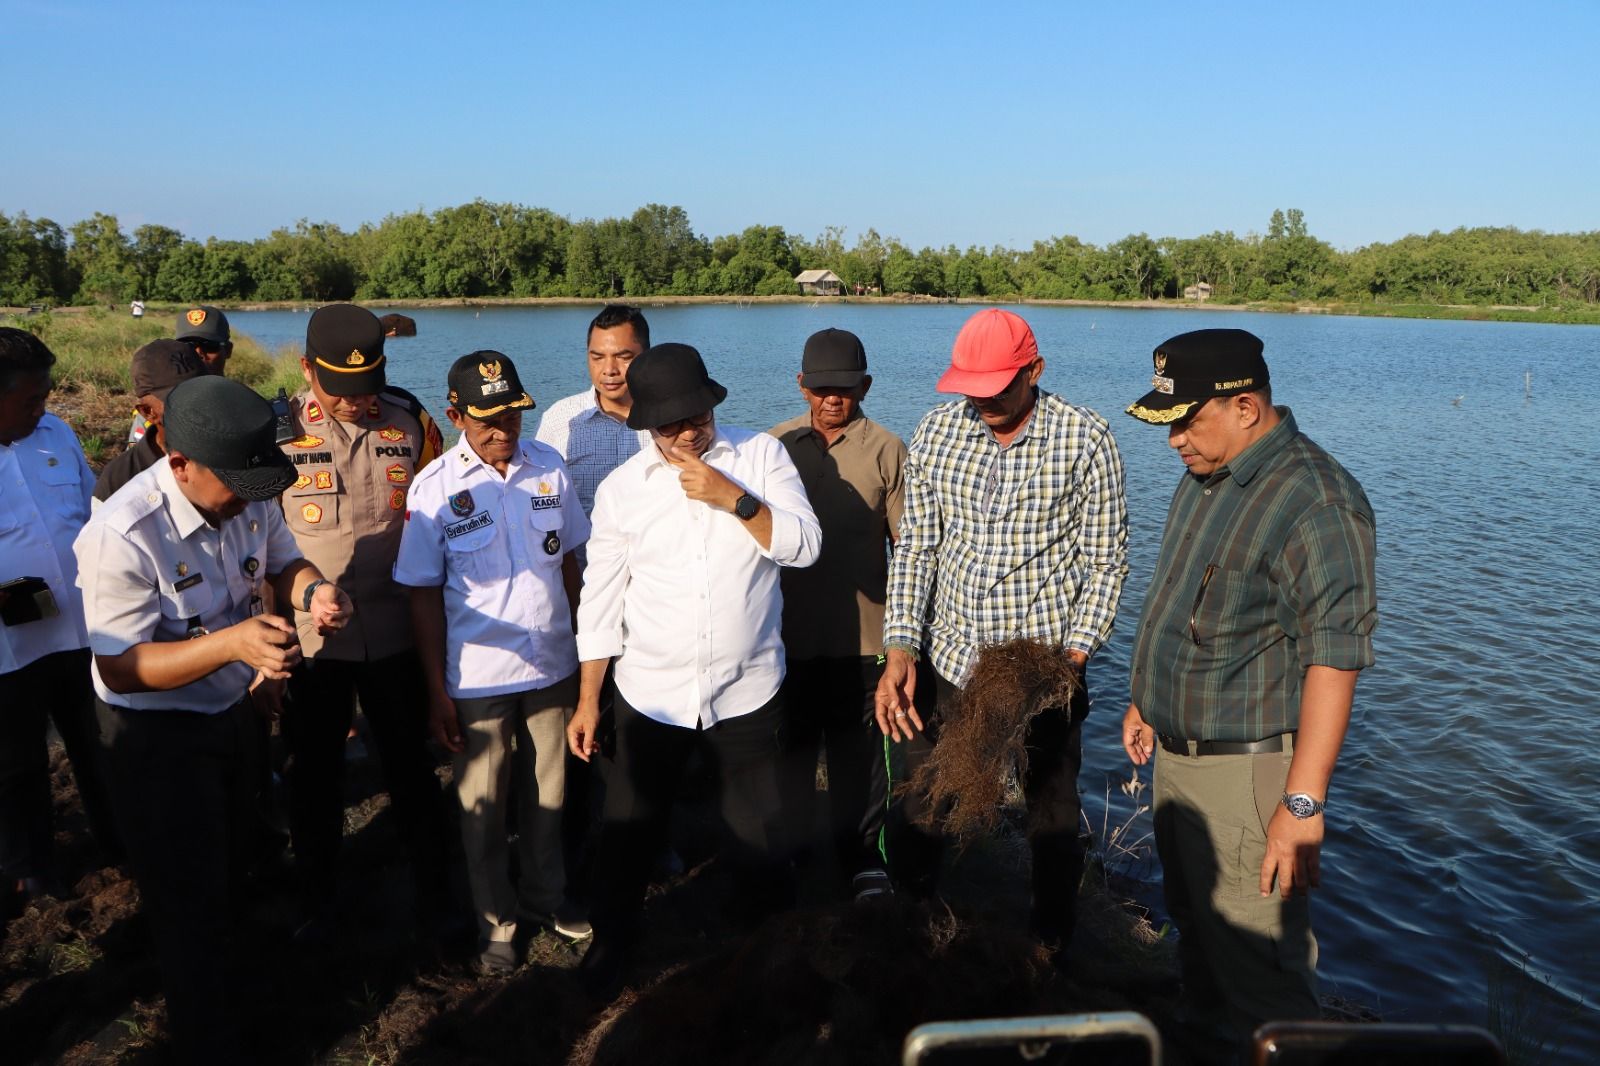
[{"x": 819, "y": 283}]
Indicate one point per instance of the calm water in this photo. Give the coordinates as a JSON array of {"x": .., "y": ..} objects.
[{"x": 1463, "y": 829}]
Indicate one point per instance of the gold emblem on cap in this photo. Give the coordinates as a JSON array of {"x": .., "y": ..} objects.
[
  {"x": 355, "y": 358},
  {"x": 196, "y": 316},
  {"x": 1161, "y": 362},
  {"x": 490, "y": 371}
]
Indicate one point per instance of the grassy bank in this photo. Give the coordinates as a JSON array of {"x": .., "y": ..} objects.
[{"x": 94, "y": 349}]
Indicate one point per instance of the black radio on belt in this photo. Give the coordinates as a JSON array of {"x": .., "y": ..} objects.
[{"x": 286, "y": 431}]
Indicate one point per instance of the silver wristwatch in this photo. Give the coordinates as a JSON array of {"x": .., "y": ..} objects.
[{"x": 1302, "y": 805}]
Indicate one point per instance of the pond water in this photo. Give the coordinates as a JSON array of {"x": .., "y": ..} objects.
[{"x": 1463, "y": 835}]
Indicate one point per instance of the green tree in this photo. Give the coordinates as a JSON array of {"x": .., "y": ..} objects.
[
  {"x": 151, "y": 246},
  {"x": 102, "y": 260}
]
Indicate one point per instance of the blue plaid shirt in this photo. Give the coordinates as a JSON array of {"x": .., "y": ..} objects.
[{"x": 1000, "y": 544}]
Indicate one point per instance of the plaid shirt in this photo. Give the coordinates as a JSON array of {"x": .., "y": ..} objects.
[
  {"x": 1266, "y": 568},
  {"x": 591, "y": 441},
  {"x": 1026, "y": 541}
]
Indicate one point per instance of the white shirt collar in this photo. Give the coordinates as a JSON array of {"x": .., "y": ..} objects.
[{"x": 186, "y": 518}]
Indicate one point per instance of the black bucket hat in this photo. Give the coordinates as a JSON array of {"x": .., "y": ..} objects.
[
  {"x": 669, "y": 382},
  {"x": 344, "y": 344},
  {"x": 228, "y": 427},
  {"x": 1191, "y": 368}
]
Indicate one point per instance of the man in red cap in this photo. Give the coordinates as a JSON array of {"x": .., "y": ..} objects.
[{"x": 1014, "y": 529}]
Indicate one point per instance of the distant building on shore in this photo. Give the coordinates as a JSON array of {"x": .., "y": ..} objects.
[
  {"x": 819, "y": 283},
  {"x": 1200, "y": 291}
]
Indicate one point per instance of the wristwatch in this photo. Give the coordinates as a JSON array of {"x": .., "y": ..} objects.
[
  {"x": 311, "y": 590},
  {"x": 746, "y": 507},
  {"x": 1302, "y": 805}
]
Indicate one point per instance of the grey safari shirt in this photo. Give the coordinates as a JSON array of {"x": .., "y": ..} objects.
[{"x": 1266, "y": 568}]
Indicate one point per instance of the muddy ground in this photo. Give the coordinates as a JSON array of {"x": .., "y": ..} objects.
[{"x": 828, "y": 983}]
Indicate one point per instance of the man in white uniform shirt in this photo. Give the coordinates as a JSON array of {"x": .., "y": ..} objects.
[
  {"x": 681, "y": 590},
  {"x": 172, "y": 569},
  {"x": 45, "y": 487},
  {"x": 488, "y": 553}
]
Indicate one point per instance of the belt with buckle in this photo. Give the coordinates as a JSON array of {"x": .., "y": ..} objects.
[{"x": 1224, "y": 747}]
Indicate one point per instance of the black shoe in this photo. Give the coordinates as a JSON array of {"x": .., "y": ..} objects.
[{"x": 604, "y": 968}]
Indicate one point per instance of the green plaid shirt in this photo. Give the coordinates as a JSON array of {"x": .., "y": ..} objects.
[
  {"x": 1266, "y": 568},
  {"x": 1007, "y": 543}
]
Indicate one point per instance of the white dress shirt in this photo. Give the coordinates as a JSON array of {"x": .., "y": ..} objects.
[
  {"x": 153, "y": 569},
  {"x": 681, "y": 594},
  {"x": 592, "y": 442},
  {"x": 45, "y": 492},
  {"x": 496, "y": 543}
]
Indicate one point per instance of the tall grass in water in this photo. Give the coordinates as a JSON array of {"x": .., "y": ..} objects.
[{"x": 1526, "y": 1013}]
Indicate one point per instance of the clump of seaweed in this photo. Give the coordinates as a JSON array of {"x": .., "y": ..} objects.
[{"x": 984, "y": 741}]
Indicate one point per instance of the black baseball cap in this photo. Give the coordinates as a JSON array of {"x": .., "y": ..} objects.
[
  {"x": 203, "y": 323},
  {"x": 833, "y": 358},
  {"x": 344, "y": 345},
  {"x": 668, "y": 382},
  {"x": 228, "y": 427},
  {"x": 160, "y": 365},
  {"x": 1191, "y": 368},
  {"x": 484, "y": 383}
]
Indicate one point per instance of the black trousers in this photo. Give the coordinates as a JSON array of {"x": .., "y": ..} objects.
[
  {"x": 316, "y": 722},
  {"x": 182, "y": 784},
  {"x": 742, "y": 755},
  {"x": 54, "y": 688},
  {"x": 829, "y": 704},
  {"x": 1050, "y": 787}
]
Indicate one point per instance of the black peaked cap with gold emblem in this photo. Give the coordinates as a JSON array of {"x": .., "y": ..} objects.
[
  {"x": 482, "y": 384},
  {"x": 1193, "y": 367},
  {"x": 344, "y": 344}
]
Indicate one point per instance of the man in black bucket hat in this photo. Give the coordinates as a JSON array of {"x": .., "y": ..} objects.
[
  {"x": 173, "y": 567},
  {"x": 688, "y": 538}
]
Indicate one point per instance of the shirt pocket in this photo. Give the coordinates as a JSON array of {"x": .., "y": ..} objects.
[
  {"x": 1230, "y": 610},
  {"x": 186, "y": 604},
  {"x": 479, "y": 556},
  {"x": 548, "y": 543},
  {"x": 311, "y": 504},
  {"x": 61, "y": 493}
]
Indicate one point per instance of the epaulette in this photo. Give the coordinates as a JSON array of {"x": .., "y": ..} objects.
[{"x": 129, "y": 512}]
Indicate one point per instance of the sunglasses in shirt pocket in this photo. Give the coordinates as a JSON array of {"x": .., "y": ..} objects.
[{"x": 1229, "y": 604}]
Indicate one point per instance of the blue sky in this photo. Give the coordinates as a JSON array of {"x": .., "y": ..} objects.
[{"x": 935, "y": 122}]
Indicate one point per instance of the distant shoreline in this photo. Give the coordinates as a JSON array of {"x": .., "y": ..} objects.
[{"x": 1452, "y": 312}]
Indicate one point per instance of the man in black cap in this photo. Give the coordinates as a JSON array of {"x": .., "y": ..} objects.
[
  {"x": 681, "y": 590},
  {"x": 207, "y": 329},
  {"x": 1258, "y": 621},
  {"x": 157, "y": 368},
  {"x": 489, "y": 557},
  {"x": 833, "y": 613},
  {"x": 173, "y": 567},
  {"x": 361, "y": 444}
]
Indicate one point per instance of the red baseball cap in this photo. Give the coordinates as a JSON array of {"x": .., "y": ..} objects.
[{"x": 988, "y": 352}]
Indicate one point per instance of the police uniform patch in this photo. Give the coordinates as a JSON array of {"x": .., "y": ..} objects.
[
  {"x": 461, "y": 503},
  {"x": 312, "y": 513},
  {"x": 391, "y": 433},
  {"x": 324, "y": 479},
  {"x": 552, "y": 544},
  {"x": 196, "y": 316},
  {"x": 313, "y": 411},
  {"x": 397, "y": 474},
  {"x": 306, "y": 441},
  {"x": 300, "y": 482},
  {"x": 397, "y": 501}
]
